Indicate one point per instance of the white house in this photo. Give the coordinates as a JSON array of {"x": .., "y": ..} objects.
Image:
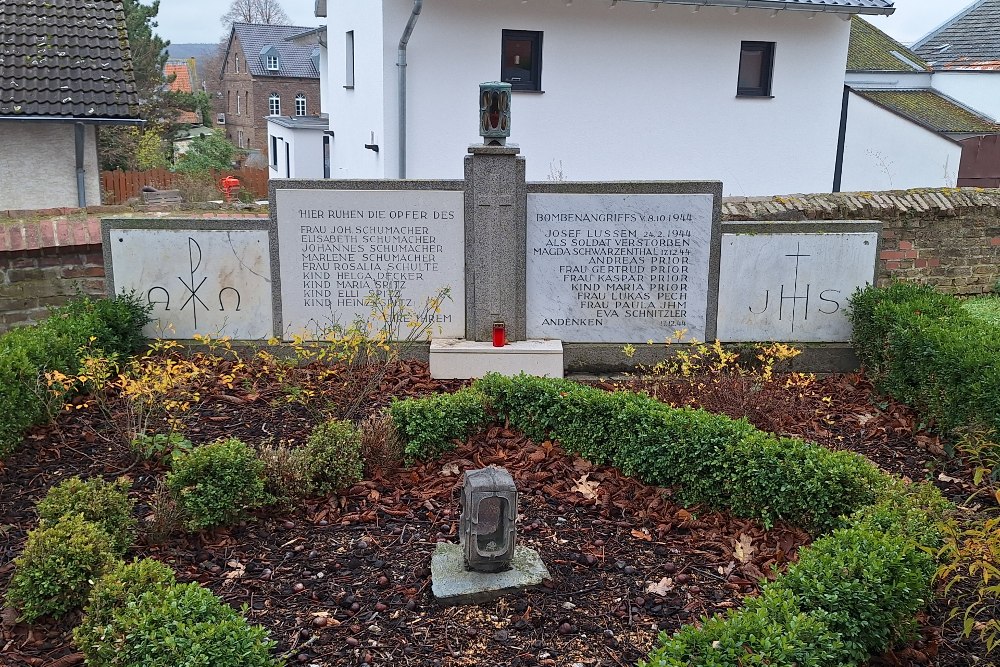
[
  {"x": 900, "y": 131},
  {"x": 56, "y": 89},
  {"x": 299, "y": 147},
  {"x": 746, "y": 91}
]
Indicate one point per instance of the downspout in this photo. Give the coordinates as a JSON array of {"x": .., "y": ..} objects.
[
  {"x": 81, "y": 180},
  {"x": 838, "y": 166},
  {"x": 401, "y": 64}
]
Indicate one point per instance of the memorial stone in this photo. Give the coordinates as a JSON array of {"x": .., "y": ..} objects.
[
  {"x": 619, "y": 268},
  {"x": 338, "y": 247},
  {"x": 199, "y": 281},
  {"x": 791, "y": 287}
]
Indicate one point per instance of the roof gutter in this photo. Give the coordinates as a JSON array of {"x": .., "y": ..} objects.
[
  {"x": 776, "y": 5},
  {"x": 401, "y": 64},
  {"x": 70, "y": 119}
]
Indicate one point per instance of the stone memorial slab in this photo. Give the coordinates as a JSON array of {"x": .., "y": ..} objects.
[
  {"x": 339, "y": 247},
  {"x": 212, "y": 282},
  {"x": 618, "y": 268},
  {"x": 791, "y": 287}
]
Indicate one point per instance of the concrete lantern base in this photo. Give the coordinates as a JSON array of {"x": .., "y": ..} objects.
[{"x": 452, "y": 584}]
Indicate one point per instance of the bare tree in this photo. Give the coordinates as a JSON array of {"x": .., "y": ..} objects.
[{"x": 267, "y": 12}]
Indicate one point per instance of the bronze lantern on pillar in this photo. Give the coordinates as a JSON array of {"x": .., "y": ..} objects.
[
  {"x": 489, "y": 514},
  {"x": 494, "y": 112}
]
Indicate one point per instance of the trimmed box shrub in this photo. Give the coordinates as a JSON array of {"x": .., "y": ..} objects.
[
  {"x": 179, "y": 625},
  {"x": 121, "y": 587},
  {"x": 214, "y": 484},
  {"x": 926, "y": 350},
  {"x": 58, "y": 567},
  {"x": 333, "y": 456},
  {"x": 106, "y": 504},
  {"x": 431, "y": 425}
]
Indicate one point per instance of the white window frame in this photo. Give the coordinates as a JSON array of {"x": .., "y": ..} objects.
[
  {"x": 274, "y": 104},
  {"x": 236, "y": 56},
  {"x": 239, "y": 104},
  {"x": 272, "y": 59},
  {"x": 300, "y": 109}
]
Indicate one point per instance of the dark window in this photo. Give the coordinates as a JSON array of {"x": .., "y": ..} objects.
[
  {"x": 756, "y": 65},
  {"x": 521, "y": 59},
  {"x": 274, "y": 152}
]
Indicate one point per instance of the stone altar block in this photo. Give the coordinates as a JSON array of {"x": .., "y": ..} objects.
[
  {"x": 779, "y": 282},
  {"x": 202, "y": 277}
]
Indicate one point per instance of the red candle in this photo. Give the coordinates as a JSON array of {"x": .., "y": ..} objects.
[{"x": 499, "y": 334}]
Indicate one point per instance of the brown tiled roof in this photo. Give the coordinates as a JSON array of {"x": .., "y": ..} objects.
[
  {"x": 65, "y": 58},
  {"x": 181, "y": 82}
]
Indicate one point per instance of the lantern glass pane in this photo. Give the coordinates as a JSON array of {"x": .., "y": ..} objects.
[{"x": 490, "y": 534}]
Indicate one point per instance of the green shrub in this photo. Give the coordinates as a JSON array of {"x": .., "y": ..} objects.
[
  {"x": 926, "y": 350},
  {"x": 911, "y": 511},
  {"x": 103, "y": 503},
  {"x": 787, "y": 479},
  {"x": 121, "y": 587},
  {"x": 431, "y": 425},
  {"x": 333, "y": 457},
  {"x": 59, "y": 565},
  {"x": 54, "y": 344},
  {"x": 180, "y": 625},
  {"x": 157, "y": 445},
  {"x": 770, "y": 630},
  {"x": 868, "y": 585},
  {"x": 214, "y": 484}
]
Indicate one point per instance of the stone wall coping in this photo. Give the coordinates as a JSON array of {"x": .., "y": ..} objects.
[
  {"x": 83, "y": 228},
  {"x": 933, "y": 202}
]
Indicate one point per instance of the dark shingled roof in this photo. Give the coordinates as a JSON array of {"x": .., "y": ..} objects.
[
  {"x": 931, "y": 110},
  {"x": 969, "y": 40},
  {"x": 65, "y": 58},
  {"x": 293, "y": 59},
  {"x": 872, "y": 50}
]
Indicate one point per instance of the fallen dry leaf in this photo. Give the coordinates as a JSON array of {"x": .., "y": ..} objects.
[
  {"x": 743, "y": 548},
  {"x": 642, "y": 535},
  {"x": 450, "y": 469},
  {"x": 662, "y": 587},
  {"x": 586, "y": 488}
]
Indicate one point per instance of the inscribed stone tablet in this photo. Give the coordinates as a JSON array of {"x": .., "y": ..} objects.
[
  {"x": 337, "y": 248},
  {"x": 791, "y": 287},
  {"x": 610, "y": 268},
  {"x": 206, "y": 282}
]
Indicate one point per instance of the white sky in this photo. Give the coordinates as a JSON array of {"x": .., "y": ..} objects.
[{"x": 183, "y": 21}]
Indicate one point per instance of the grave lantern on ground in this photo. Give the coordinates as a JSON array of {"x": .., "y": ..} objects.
[
  {"x": 494, "y": 112},
  {"x": 489, "y": 512}
]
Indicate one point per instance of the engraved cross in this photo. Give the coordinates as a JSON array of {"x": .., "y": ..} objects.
[{"x": 493, "y": 200}]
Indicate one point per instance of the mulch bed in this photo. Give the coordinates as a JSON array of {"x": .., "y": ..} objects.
[{"x": 346, "y": 581}]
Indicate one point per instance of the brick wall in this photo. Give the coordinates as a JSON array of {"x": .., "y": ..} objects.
[
  {"x": 46, "y": 262},
  {"x": 947, "y": 238}
]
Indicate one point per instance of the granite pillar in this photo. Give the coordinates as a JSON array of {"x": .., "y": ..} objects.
[{"x": 495, "y": 250}]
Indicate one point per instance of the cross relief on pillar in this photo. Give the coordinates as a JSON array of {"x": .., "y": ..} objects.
[{"x": 496, "y": 203}]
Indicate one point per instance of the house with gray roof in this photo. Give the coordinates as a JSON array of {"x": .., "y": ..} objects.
[
  {"x": 65, "y": 70},
  {"x": 965, "y": 54},
  {"x": 266, "y": 74},
  {"x": 900, "y": 130}
]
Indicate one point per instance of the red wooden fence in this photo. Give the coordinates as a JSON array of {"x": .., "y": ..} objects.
[{"x": 120, "y": 186}]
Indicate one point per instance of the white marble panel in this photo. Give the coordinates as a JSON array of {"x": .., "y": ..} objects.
[
  {"x": 608, "y": 268},
  {"x": 206, "y": 282},
  {"x": 339, "y": 247},
  {"x": 791, "y": 287}
]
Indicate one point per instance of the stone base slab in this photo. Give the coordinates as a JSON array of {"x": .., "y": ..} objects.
[
  {"x": 459, "y": 359},
  {"x": 452, "y": 584}
]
